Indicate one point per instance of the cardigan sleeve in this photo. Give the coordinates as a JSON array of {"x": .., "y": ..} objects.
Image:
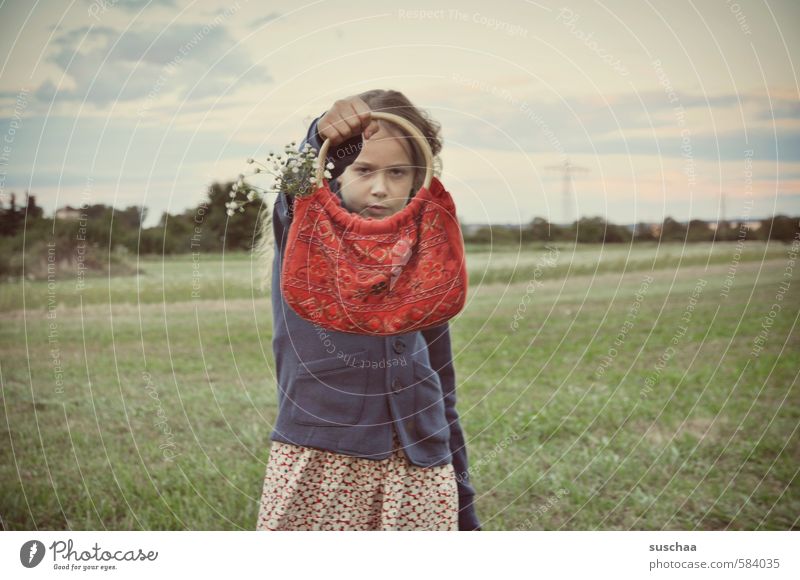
[
  {"x": 342, "y": 155},
  {"x": 441, "y": 356}
]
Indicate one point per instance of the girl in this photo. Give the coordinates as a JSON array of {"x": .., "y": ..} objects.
[{"x": 367, "y": 435}]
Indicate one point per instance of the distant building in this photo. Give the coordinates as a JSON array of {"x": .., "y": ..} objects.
[
  {"x": 639, "y": 228},
  {"x": 68, "y": 213},
  {"x": 472, "y": 229},
  {"x": 655, "y": 228},
  {"x": 751, "y": 225}
]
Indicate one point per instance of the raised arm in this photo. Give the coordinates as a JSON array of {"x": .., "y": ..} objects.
[{"x": 337, "y": 123}]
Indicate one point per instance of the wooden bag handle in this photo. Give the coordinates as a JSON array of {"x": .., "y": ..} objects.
[{"x": 397, "y": 120}]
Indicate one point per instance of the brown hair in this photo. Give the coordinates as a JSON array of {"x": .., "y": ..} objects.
[{"x": 395, "y": 102}]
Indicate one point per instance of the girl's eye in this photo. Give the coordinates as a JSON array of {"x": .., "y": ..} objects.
[{"x": 398, "y": 172}]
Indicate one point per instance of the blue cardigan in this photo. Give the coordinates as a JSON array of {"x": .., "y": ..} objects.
[{"x": 345, "y": 392}]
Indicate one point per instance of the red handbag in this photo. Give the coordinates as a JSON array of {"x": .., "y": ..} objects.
[{"x": 380, "y": 277}]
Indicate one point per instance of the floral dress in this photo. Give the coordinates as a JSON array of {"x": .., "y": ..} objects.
[{"x": 312, "y": 489}]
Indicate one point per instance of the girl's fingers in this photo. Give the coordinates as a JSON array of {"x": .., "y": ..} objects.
[
  {"x": 364, "y": 113},
  {"x": 350, "y": 122},
  {"x": 347, "y": 118},
  {"x": 331, "y": 132},
  {"x": 371, "y": 130}
]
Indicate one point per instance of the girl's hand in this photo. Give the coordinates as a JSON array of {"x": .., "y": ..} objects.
[{"x": 346, "y": 119}]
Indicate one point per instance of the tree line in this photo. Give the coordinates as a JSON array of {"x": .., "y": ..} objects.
[
  {"x": 102, "y": 238},
  {"x": 99, "y": 237},
  {"x": 596, "y": 230}
]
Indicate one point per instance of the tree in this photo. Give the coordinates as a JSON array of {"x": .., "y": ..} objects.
[
  {"x": 540, "y": 230},
  {"x": 780, "y": 227},
  {"x": 11, "y": 219},
  {"x": 595, "y": 230},
  {"x": 33, "y": 211},
  {"x": 726, "y": 232},
  {"x": 218, "y": 230},
  {"x": 698, "y": 231},
  {"x": 615, "y": 234},
  {"x": 643, "y": 233},
  {"x": 131, "y": 217},
  {"x": 672, "y": 230}
]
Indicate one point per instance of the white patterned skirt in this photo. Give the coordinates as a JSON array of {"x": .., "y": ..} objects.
[{"x": 313, "y": 489}]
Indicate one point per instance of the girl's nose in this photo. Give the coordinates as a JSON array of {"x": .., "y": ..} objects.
[{"x": 378, "y": 185}]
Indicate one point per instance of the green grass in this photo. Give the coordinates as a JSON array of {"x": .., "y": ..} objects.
[{"x": 559, "y": 437}]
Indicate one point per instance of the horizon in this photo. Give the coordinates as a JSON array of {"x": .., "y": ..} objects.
[
  {"x": 741, "y": 219},
  {"x": 660, "y": 110}
]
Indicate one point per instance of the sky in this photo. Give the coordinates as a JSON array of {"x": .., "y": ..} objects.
[{"x": 674, "y": 108}]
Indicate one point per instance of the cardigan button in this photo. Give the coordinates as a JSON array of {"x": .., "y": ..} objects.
[
  {"x": 396, "y": 385},
  {"x": 399, "y": 346}
]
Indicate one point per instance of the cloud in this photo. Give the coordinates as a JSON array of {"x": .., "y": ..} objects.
[
  {"x": 781, "y": 109},
  {"x": 136, "y": 5},
  {"x": 99, "y": 7},
  {"x": 259, "y": 22},
  {"x": 506, "y": 117},
  {"x": 104, "y": 65}
]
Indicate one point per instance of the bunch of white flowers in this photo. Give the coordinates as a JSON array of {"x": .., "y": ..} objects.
[
  {"x": 294, "y": 173},
  {"x": 240, "y": 187}
]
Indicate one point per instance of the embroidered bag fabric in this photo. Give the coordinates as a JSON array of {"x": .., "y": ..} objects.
[{"x": 381, "y": 277}]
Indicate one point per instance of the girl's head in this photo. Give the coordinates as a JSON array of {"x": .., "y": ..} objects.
[
  {"x": 390, "y": 168},
  {"x": 373, "y": 178}
]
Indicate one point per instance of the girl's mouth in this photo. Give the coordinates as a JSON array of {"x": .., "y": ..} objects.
[{"x": 377, "y": 209}]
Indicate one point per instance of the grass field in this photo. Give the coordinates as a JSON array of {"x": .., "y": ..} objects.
[{"x": 598, "y": 387}]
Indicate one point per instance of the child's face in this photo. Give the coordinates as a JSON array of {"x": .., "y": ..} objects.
[{"x": 382, "y": 174}]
